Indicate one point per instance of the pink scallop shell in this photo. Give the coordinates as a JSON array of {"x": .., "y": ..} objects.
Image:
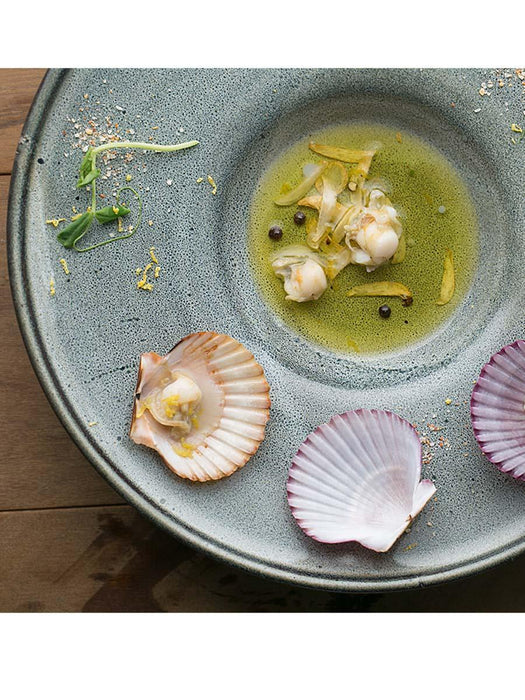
[
  {"x": 497, "y": 409},
  {"x": 234, "y": 410},
  {"x": 357, "y": 478}
]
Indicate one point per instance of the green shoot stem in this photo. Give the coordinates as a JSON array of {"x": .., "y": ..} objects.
[
  {"x": 158, "y": 148},
  {"x": 93, "y": 196},
  {"x": 140, "y": 145}
]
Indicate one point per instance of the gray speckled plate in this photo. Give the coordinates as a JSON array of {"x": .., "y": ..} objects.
[{"x": 85, "y": 341}]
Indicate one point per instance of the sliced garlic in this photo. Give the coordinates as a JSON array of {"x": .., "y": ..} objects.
[{"x": 448, "y": 283}]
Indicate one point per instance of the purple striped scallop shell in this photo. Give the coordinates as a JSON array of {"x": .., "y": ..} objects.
[
  {"x": 497, "y": 409},
  {"x": 357, "y": 478}
]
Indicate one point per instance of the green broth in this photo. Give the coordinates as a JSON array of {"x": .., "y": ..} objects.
[{"x": 421, "y": 180}]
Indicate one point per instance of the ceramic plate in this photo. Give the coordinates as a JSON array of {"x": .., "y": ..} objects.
[{"x": 85, "y": 341}]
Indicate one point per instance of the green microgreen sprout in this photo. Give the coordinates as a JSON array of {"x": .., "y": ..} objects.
[{"x": 71, "y": 234}]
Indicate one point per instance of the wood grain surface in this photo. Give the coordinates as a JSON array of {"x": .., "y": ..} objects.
[{"x": 68, "y": 542}]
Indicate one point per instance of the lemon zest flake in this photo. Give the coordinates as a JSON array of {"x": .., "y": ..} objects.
[
  {"x": 63, "y": 262},
  {"x": 171, "y": 405},
  {"x": 52, "y": 287},
  {"x": 143, "y": 282},
  {"x": 183, "y": 451},
  {"x": 213, "y": 184},
  {"x": 55, "y": 222}
]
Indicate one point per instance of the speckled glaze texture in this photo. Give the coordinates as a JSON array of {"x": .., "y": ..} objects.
[{"x": 85, "y": 342}]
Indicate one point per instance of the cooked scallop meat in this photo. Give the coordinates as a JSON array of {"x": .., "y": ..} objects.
[{"x": 203, "y": 407}]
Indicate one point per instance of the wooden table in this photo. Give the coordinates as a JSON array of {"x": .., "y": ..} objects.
[{"x": 68, "y": 542}]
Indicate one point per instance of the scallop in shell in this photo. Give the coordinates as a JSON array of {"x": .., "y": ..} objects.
[
  {"x": 357, "y": 478},
  {"x": 203, "y": 406},
  {"x": 497, "y": 409}
]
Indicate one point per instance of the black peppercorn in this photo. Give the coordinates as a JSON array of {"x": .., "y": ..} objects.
[
  {"x": 385, "y": 311},
  {"x": 299, "y": 218},
  {"x": 275, "y": 233}
]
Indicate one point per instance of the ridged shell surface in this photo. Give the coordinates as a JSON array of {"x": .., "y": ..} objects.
[
  {"x": 233, "y": 414},
  {"x": 498, "y": 411},
  {"x": 357, "y": 478}
]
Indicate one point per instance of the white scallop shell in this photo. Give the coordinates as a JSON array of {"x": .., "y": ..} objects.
[
  {"x": 234, "y": 408},
  {"x": 357, "y": 478},
  {"x": 498, "y": 412}
]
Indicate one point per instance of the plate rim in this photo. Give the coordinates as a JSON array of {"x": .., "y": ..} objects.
[{"x": 43, "y": 369}]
